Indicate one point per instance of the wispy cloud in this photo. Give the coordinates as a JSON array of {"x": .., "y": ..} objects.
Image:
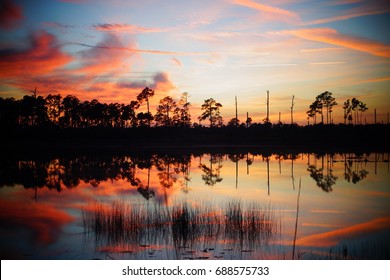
[
  {"x": 128, "y": 28},
  {"x": 332, "y": 36},
  {"x": 268, "y": 12},
  {"x": 321, "y": 49},
  {"x": 273, "y": 65},
  {"x": 363, "y": 8},
  {"x": 135, "y": 50},
  {"x": 342, "y": 2},
  {"x": 373, "y": 80},
  {"x": 343, "y": 17},
  {"x": 53, "y": 24},
  {"x": 327, "y": 63},
  {"x": 176, "y": 61}
]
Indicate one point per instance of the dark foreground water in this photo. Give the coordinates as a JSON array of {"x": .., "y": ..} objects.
[{"x": 196, "y": 206}]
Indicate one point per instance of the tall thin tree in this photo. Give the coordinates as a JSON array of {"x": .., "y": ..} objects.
[{"x": 292, "y": 109}]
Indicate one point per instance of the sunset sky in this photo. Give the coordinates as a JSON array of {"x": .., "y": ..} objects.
[{"x": 111, "y": 50}]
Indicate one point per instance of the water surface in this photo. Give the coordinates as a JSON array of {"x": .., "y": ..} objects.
[{"x": 196, "y": 206}]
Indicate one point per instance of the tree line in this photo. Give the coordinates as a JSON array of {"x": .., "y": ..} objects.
[
  {"x": 325, "y": 102},
  {"x": 69, "y": 112}
]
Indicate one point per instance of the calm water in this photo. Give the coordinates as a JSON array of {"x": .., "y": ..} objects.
[{"x": 207, "y": 206}]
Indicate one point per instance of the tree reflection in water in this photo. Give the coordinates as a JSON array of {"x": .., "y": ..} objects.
[
  {"x": 171, "y": 170},
  {"x": 323, "y": 180},
  {"x": 212, "y": 173}
]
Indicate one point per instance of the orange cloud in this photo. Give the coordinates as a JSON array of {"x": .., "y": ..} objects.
[
  {"x": 43, "y": 220},
  {"x": 269, "y": 12},
  {"x": 332, "y": 238},
  {"x": 43, "y": 57},
  {"x": 331, "y": 36},
  {"x": 99, "y": 71}
]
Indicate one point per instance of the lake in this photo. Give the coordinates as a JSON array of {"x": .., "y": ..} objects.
[{"x": 195, "y": 205}]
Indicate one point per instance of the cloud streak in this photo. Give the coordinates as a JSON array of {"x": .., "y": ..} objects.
[
  {"x": 135, "y": 50},
  {"x": 128, "y": 28},
  {"x": 365, "y": 8},
  {"x": 268, "y": 12},
  {"x": 333, "y": 37}
]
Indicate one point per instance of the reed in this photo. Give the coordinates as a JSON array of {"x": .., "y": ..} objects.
[{"x": 181, "y": 224}]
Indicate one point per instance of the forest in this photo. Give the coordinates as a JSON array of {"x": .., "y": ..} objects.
[{"x": 56, "y": 120}]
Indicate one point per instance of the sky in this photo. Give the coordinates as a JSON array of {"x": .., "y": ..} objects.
[{"x": 111, "y": 50}]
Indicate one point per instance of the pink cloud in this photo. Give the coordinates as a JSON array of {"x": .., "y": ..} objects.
[
  {"x": 97, "y": 74},
  {"x": 268, "y": 12}
]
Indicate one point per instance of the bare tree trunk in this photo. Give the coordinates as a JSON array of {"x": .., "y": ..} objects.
[
  {"x": 296, "y": 221},
  {"x": 292, "y": 109},
  {"x": 267, "y": 119},
  {"x": 236, "y": 112}
]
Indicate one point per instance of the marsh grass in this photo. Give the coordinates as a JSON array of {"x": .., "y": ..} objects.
[
  {"x": 378, "y": 250},
  {"x": 181, "y": 225}
]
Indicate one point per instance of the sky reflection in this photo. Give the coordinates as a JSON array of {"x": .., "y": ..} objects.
[{"x": 42, "y": 201}]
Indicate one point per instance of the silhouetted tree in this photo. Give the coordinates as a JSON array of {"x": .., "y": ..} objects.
[
  {"x": 328, "y": 102},
  {"x": 9, "y": 112},
  {"x": 323, "y": 100},
  {"x": 144, "y": 119},
  {"x": 355, "y": 106},
  {"x": 292, "y": 109},
  {"x": 248, "y": 121},
  {"x": 71, "y": 109},
  {"x": 182, "y": 116},
  {"x": 32, "y": 111},
  {"x": 145, "y": 95},
  {"x": 347, "y": 110},
  {"x": 165, "y": 111},
  {"x": 234, "y": 122},
  {"x": 314, "y": 109},
  {"x": 362, "y": 108},
  {"x": 266, "y": 119},
  {"x": 211, "y": 112},
  {"x": 128, "y": 114}
]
